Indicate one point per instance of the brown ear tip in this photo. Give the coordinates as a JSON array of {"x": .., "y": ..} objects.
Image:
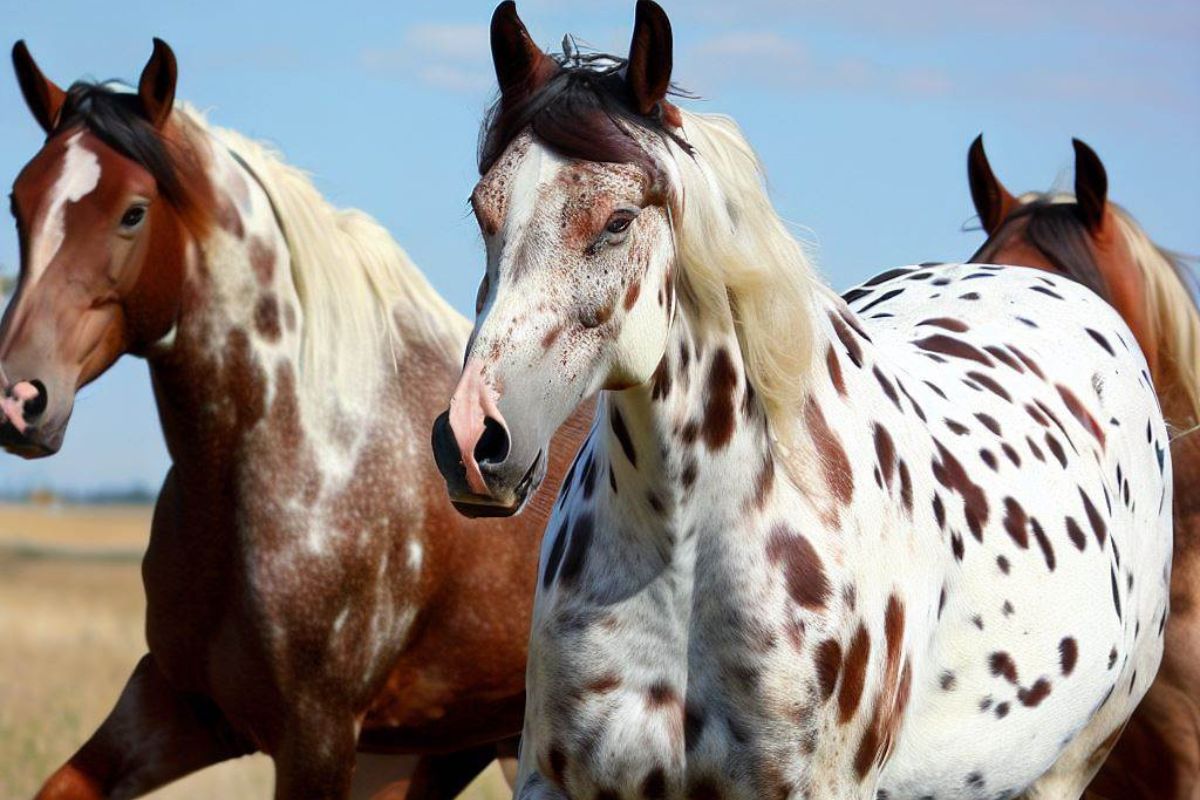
[
  {"x": 1082, "y": 147},
  {"x": 505, "y": 11},
  {"x": 651, "y": 11},
  {"x": 163, "y": 50}
]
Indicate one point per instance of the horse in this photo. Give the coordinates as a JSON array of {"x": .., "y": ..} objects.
[
  {"x": 310, "y": 591},
  {"x": 1099, "y": 244},
  {"x": 913, "y": 545}
]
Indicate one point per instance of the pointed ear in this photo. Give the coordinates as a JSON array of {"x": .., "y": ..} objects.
[
  {"x": 993, "y": 202},
  {"x": 44, "y": 97},
  {"x": 649, "y": 70},
  {"x": 518, "y": 60},
  {"x": 1091, "y": 185},
  {"x": 156, "y": 88}
]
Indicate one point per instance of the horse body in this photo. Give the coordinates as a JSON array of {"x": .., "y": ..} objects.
[
  {"x": 707, "y": 627},
  {"x": 805, "y": 552},
  {"x": 309, "y": 590},
  {"x": 1095, "y": 242}
]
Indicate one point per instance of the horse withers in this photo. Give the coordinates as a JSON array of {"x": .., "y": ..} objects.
[
  {"x": 917, "y": 548},
  {"x": 1086, "y": 237},
  {"x": 310, "y": 592}
]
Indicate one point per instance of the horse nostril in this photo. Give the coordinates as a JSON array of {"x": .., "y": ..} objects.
[
  {"x": 492, "y": 447},
  {"x": 37, "y": 404}
]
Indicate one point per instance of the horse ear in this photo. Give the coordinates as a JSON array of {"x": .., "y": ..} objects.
[
  {"x": 649, "y": 70},
  {"x": 44, "y": 98},
  {"x": 156, "y": 88},
  {"x": 993, "y": 202},
  {"x": 1091, "y": 185},
  {"x": 518, "y": 60}
]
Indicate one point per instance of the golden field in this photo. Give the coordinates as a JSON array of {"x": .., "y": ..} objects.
[{"x": 71, "y": 614}]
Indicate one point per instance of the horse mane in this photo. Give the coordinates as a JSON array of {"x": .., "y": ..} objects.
[
  {"x": 738, "y": 264},
  {"x": 358, "y": 289},
  {"x": 1171, "y": 299},
  {"x": 1055, "y": 230}
]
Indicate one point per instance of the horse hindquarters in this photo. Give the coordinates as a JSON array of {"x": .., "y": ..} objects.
[{"x": 154, "y": 735}]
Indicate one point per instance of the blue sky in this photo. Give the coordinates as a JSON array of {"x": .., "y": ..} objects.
[{"x": 861, "y": 109}]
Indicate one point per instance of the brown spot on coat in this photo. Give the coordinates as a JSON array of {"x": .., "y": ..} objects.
[
  {"x": 1068, "y": 655},
  {"x": 853, "y": 348},
  {"x": 949, "y": 345},
  {"x": 1016, "y": 522},
  {"x": 950, "y": 473},
  {"x": 623, "y": 437},
  {"x": 1002, "y": 665},
  {"x": 1076, "y": 407},
  {"x": 854, "y": 674},
  {"x": 262, "y": 261},
  {"x": 661, "y": 380},
  {"x": 804, "y": 573},
  {"x": 718, "y": 422},
  {"x": 885, "y": 452},
  {"x": 266, "y": 317},
  {"x": 838, "y": 475},
  {"x": 1097, "y": 521},
  {"x": 835, "y": 370},
  {"x": 958, "y": 326},
  {"x": 581, "y": 540},
  {"x": 1076, "y": 534},
  {"x": 631, "y": 294},
  {"x": 828, "y": 663},
  {"x": 1035, "y": 694}
]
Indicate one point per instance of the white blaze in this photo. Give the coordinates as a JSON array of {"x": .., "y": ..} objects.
[{"x": 80, "y": 176}]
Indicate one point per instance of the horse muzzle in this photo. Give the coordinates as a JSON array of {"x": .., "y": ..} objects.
[
  {"x": 484, "y": 487},
  {"x": 23, "y": 429}
]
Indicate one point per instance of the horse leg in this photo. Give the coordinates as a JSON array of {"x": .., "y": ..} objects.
[
  {"x": 152, "y": 736},
  {"x": 316, "y": 756}
]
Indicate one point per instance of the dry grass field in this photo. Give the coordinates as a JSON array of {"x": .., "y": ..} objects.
[{"x": 71, "y": 613}]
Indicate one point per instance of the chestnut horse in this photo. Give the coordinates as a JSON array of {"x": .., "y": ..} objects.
[
  {"x": 310, "y": 592},
  {"x": 1099, "y": 244}
]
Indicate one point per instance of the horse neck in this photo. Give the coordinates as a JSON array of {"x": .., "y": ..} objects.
[
  {"x": 237, "y": 335},
  {"x": 694, "y": 444}
]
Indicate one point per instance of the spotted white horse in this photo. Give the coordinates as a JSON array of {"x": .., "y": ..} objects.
[{"x": 920, "y": 549}]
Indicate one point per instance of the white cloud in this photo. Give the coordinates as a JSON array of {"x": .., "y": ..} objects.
[{"x": 445, "y": 56}]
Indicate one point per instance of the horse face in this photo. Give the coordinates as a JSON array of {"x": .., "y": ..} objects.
[
  {"x": 99, "y": 272},
  {"x": 576, "y": 298}
]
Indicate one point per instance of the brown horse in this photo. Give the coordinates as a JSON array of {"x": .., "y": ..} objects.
[
  {"x": 310, "y": 591},
  {"x": 1098, "y": 243}
]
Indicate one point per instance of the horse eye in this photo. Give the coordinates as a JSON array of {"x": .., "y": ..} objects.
[
  {"x": 133, "y": 216},
  {"x": 619, "y": 224}
]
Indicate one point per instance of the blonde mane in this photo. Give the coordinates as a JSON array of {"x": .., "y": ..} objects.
[
  {"x": 740, "y": 263},
  {"x": 361, "y": 296},
  {"x": 1171, "y": 309}
]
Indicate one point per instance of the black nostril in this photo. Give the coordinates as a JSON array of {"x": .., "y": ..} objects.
[
  {"x": 35, "y": 407},
  {"x": 492, "y": 447}
]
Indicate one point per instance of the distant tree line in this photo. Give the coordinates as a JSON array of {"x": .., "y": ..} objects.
[{"x": 131, "y": 495}]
